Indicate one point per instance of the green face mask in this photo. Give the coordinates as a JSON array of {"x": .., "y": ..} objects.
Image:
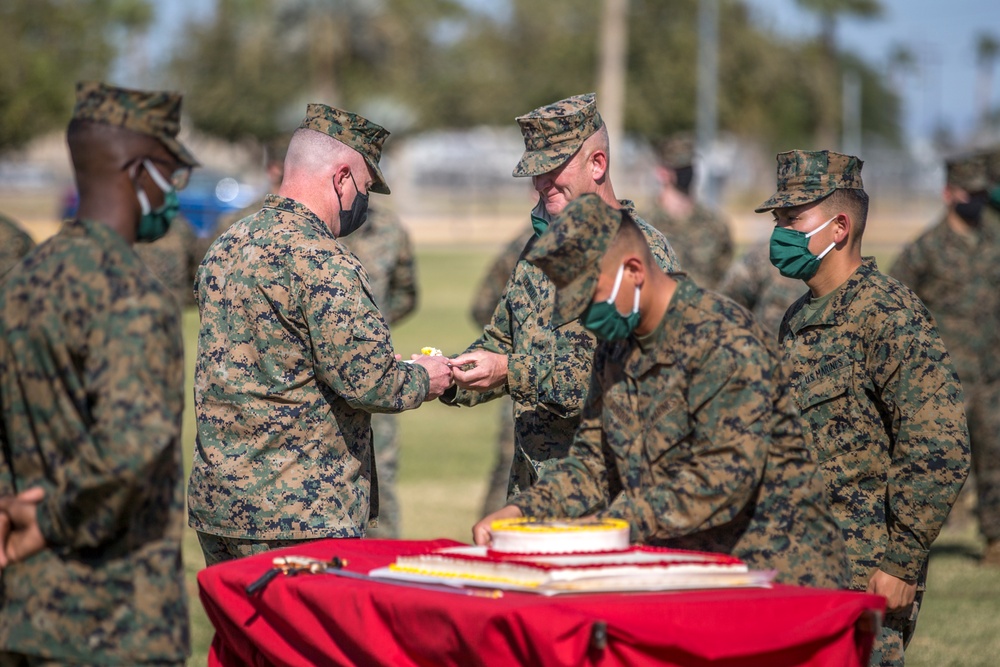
[
  {"x": 539, "y": 225},
  {"x": 154, "y": 225},
  {"x": 790, "y": 252},
  {"x": 603, "y": 319}
]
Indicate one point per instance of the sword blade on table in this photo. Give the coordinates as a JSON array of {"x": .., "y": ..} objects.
[{"x": 479, "y": 593}]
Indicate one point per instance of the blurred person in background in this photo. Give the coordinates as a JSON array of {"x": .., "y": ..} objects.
[
  {"x": 174, "y": 258},
  {"x": 698, "y": 234},
  {"x": 876, "y": 385},
  {"x": 294, "y": 355},
  {"x": 383, "y": 247},
  {"x": 484, "y": 301},
  {"x": 15, "y": 243},
  {"x": 545, "y": 368},
  {"x": 954, "y": 267},
  {"x": 91, "y": 384},
  {"x": 756, "y": 284}
]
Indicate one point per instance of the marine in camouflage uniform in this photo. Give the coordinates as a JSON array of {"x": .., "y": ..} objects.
[
  {"x": 548, "y": 365},
  {"x": 483, "y": 303},
  {"x": 688, "y": 432},
  {"x": 872, "y": 378},
  {"x": 754, "y": 283},
  {"x": 954, "y": 267},
  {"x": 14, "y": 244},
  {"x": 383, "y": 247},
  {"x": 91, "y": 380},
  {"x": 293, "y": 356},
  {"x": 698, "y": 234},
  {"x": 173, "y": 259}
]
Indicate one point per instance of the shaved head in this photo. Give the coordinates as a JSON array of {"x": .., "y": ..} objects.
[{"x": 313, "y": 155}]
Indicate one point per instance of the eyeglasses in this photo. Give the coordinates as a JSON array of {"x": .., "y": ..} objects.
[{"x": 180, "y": 176}]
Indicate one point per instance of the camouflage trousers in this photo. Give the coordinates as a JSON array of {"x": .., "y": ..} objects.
[
  {"x": 496, "y": 491},
  {"x": 384, "y": 433},
  {"x": 218, "y": 549},
  {"x": 983, "y": 414},
  {"x": 897, "y": 631},
  {"x": 19, "y": 660}
]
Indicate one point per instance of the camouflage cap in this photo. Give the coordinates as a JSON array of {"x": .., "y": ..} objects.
[
  {"x": 553, "y": 133},
  {"x": 156, "y": 113},
  {"x": 570, "y": 253},
  {"x": 676, "y": 151},
  {"x": 967, "y": 171},
  {"x": 351, "y": 130},
  {"x": 808, "y": 176}
]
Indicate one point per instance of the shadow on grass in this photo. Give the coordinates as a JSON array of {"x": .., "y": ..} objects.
[{"x": 955, "y": 550}]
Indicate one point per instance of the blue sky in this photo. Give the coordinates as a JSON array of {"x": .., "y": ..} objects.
[{"x": 942, "y": 33}]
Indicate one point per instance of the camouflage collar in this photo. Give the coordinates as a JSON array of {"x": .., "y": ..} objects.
[
  {"x": 664, "y": 342},
  {"x": 835, "y": 311},
  {"x": 286, "y": 205},
  {"x": 106, "y": 237}
]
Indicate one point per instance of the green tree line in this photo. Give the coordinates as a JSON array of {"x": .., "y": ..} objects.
[{"x": 414, "y": 65}]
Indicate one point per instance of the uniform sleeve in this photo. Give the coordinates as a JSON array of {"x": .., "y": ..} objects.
[
  {"x": 496, "y": 337},
  {"x": 352, "y": 350},
  {"x": 578, "y": 484},
  {"x": 403, "y": 280},
  {"x": 134, "y": 374},
  {"x": 930, "y": 458},
  {"x": 716, "y": 461},
  {"x": 663, "y": 252},
  {"x": 909, "y": 267}
]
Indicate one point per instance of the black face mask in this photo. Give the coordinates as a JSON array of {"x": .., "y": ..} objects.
[
  {"x": 972, "y": 211},
  {"x": 351, "y": 221}
]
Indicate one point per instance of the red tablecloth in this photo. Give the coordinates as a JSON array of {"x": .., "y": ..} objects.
[{"x": 329, "y": 620}]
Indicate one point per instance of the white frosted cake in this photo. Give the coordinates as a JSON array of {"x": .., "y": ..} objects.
[
  {"x": 572, "y": 556},
  {"x": 559, "y": 536}
]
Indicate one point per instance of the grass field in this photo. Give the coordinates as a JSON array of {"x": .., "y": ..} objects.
[{"x": 447, "y": 452}]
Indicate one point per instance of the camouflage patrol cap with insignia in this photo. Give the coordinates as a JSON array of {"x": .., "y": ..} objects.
[
  {"x": 808, "y": 176},
  {"x": 553, "y": 133},
  {"x": 967, "y": 171},
  {"x": 570, "y": 253},
  {"x": 156, "y": 113},
  {"x": 354, "y": 131},
  {"x": 676, "y": 151}
]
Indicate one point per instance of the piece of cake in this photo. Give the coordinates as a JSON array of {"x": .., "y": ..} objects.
[{"x": 559, "y": 536}]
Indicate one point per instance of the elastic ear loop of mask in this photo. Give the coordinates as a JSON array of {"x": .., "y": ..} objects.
[
  {"x": 618, "y": 284},
  {"x": 831, "y": 246},
  {"x": 160, "y": 181}
]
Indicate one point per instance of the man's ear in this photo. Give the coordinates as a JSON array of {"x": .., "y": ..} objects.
[
  {"x": 340, "y": 175},
  {"x": 598, "y": 165},
  {"x": 843, "y": 224},
  {"x": 635, "y": 267}
]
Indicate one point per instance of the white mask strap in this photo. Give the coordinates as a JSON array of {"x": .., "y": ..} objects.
[
  {"x": 158, "y": 178},
  {"x": 824, "y": 253},
  {"x": 618, "y": 283},
  {"x": 821, "y": 227},
  {"x": 635, "y": 302}
]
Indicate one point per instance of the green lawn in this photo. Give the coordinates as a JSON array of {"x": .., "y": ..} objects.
[{"x": 447, "y": 453}]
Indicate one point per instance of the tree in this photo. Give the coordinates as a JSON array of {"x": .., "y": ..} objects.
[
  {"x": 829, "y": 12},
  {"x": 49, "y": 45},
  {"x": 987, "y": 51}
]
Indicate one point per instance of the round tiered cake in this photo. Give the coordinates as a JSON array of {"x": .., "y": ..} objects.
[{"x": 559, "y": 536}]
